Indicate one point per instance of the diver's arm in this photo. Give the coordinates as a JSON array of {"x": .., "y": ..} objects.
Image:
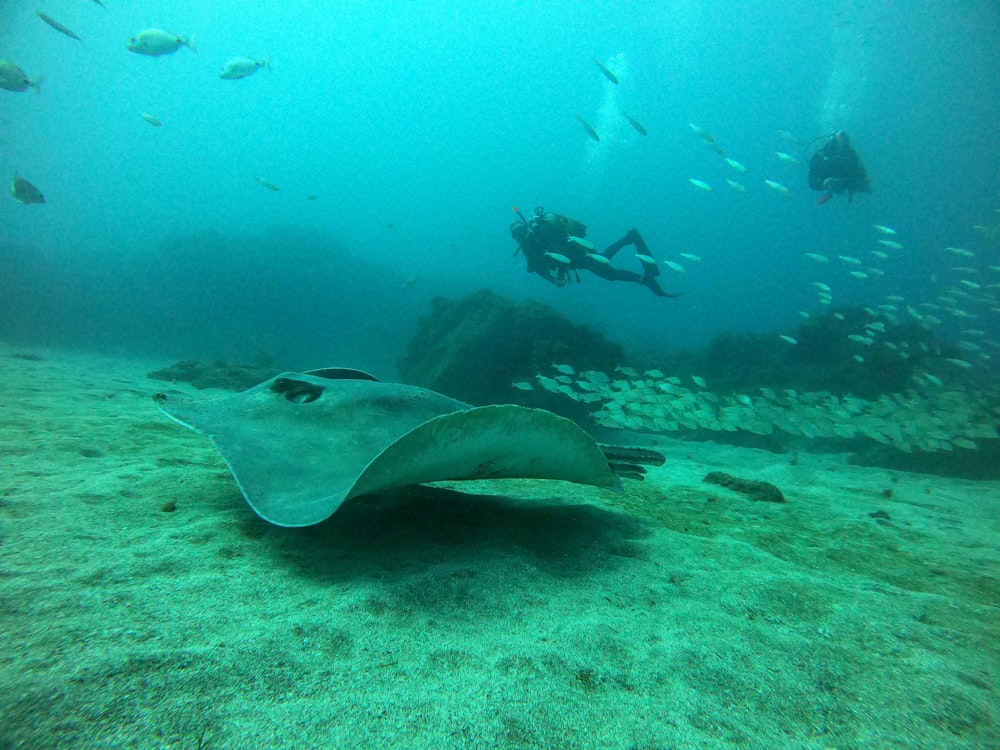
[{"x": 558, "y": 281}]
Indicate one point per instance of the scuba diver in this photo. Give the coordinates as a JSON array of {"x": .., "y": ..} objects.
[
  {"x": 553, "y": 246},
  {"x": 837, "y": 168}
]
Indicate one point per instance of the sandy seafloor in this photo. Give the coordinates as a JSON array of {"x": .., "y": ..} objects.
[{"x": 521, "y": 615}]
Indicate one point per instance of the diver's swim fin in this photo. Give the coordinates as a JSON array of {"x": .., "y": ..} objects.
[{"x": 653, "y": 285}]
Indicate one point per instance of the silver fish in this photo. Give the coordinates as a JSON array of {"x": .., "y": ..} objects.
[
  {"x": 241, "y": 67},
  {"x": 604, "y": 69},
  {"x": 57, "y": 26},
  {"x": 156, "y": 42},
  {"x": 13, "y": 78},
  {"x": 25, "y": 192},
  {"x": 589, "y": 128},
  {"x": 639, "y": 127}
]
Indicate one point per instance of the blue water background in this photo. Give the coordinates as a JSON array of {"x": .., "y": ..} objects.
[{"x": 417, "y": 125}]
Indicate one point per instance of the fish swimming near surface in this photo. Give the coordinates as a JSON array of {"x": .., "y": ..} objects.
[
  {"x": 241, "y": 67},
  {"x": 739, "y": 187},
  {"x": 559, "y": 258},
  {"x": 736, "y": 165},
  {"x": 156, "y": 42},
  {"x": 150, "y": 119},
  {"x": 25, "y": 192},
  {"x": 589, "y": 128},
  {"x": 268, "y": 184},
  {"x": 701, "y": 185},
  {"x": 638, "y": 126},
  {"x": 604, "y": 69},
  {"x": 57, "y": 26},
  {"x": 881, "y": 228},
  {"x": 787, "y": 157},
  {"x": 13, "y": 78}
]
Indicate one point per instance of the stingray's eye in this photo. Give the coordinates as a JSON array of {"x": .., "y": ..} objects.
[{"x": 297, "y": 391}]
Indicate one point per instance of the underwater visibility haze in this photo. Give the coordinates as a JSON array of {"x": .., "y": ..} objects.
[{"x": 399, "y": 135}]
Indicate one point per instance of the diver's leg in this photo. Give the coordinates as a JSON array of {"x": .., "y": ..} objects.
[
  {"x": 606, "y": 271},
  {"x": 629, "y": 239},
  {"x": 611, "y": 273},
  {"x": 645, "y": 256},
  {"x": 653, "y": 285}
]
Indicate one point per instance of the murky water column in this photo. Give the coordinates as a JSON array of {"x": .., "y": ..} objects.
[{"x": 850, "y": 52}]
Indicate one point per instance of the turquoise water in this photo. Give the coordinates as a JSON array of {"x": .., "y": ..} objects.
[
  {"x": 306, "y": 216},
  {"x": 417, "y": 125}
]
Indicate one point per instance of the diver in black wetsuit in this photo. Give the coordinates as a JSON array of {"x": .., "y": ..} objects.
[
  {"x": 553, "y": 246},
  {"x": 837, "y": 168}
]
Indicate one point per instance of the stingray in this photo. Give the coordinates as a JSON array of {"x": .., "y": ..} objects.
[{"x": 301, "y": 444}]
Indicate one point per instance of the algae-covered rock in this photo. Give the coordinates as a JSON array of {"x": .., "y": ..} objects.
[
  {"x": 221, "y": 375},
  {"x": 472, "y": 348},
  {"x": 825, "y": 357}
]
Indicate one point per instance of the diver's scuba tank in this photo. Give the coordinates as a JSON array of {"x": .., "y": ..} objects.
[{"x": 565, "y": 223}]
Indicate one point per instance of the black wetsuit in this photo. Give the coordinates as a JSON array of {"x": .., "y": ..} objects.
[
  {"x": 837, "y": 168},
  {"x": 547, "y": 236}
]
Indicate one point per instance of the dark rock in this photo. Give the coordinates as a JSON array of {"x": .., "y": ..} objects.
[
  {"x": 761, "y": 491},
  {"x": 472, "y": 348},
  {"x": 215, "y": 374},
  {"x": 980, "y": 464},
  {"x": 823, "y": 360}
]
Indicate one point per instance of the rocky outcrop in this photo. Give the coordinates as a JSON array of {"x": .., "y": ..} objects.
[{"x": 472, "y": 348}]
